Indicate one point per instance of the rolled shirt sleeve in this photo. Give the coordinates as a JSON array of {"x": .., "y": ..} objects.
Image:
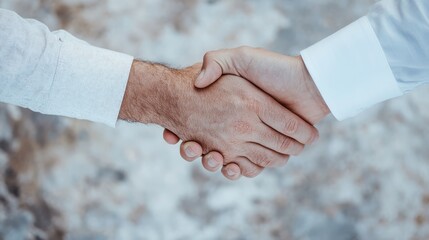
[
  {"x": 58, "y": 74},
  {"x": 378, "y": 57}
]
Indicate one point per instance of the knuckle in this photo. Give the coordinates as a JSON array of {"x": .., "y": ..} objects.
[
  {"x": 285, "y": 143},
  {"x": 243, "y": 51},
  {"x": 281, "y": 162},
  {"x": 243, "y": 48},
  {"x": 284, "y": 161},
  {"x": 298, "y": 151},
  {"x": 209, "y": 55},
  {"x": 250, "y": 172},
  {"x": 291, "y": 126},
  {"x": 313, "y": 136},
  {"x": 263, "y": 161}
]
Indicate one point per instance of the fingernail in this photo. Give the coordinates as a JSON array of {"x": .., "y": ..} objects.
[
  {"x": 200, "y": 78},
  {"x": 230, "y": 172},
  {"x": 211, "y": 162},
  {"x": 190, "y": 152}
]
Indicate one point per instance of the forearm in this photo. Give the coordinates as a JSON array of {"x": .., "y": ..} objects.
[
  {"x": 29, "y": 54},
  {"x": 402, "y": 28},
  {"x": 58, "y": 74}
]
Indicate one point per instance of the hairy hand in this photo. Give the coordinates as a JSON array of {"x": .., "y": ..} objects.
[{"x": 233, "y": 117}]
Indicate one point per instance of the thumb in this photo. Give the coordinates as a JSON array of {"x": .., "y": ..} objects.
[{"x": 215, "y": 64}]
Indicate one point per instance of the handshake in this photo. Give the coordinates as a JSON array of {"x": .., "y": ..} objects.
[{"x": 243, "y": 109}]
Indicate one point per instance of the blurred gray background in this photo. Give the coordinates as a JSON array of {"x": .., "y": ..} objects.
[{"x": 367, "y": 177}]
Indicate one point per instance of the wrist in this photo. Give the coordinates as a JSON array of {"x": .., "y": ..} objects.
[
  {"x": 142, "y": 93},
  {"x": 314, "y": 94},
  {"x": 155, "y": 93}
]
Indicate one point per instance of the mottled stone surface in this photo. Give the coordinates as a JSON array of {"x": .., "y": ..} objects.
[{"x": 367, "y": 178}]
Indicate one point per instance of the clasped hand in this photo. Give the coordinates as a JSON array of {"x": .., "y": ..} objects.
[{"x": 261, "y": 108}]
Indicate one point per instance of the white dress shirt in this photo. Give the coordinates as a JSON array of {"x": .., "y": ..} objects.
[
  {"x": 56, "y": 73},
  {"x": 378, "y": 57}
]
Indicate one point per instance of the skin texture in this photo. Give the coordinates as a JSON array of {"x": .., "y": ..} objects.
[
  {"x": 232, "y": 117},
  {"x": 285, "y": 78}
]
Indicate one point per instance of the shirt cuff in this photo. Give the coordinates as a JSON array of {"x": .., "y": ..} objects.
[
  {"x": 350, "y": 70},
  {"x": 89, "y": 82}
]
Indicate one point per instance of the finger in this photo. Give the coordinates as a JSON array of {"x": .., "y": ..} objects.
[
  {"x": 247, "y": 168},
  {"x": 231, "y": 171},
  {"x": 170, "y": 137},
  {"x": 212, "y": 161},
  {"x": 190, "y": 150},
  {"x": 275, "y": 141},
  {"x": 287, "y": 123},
  {"x": 215, "y": 64},
  {"x": 264, "y": 157}
]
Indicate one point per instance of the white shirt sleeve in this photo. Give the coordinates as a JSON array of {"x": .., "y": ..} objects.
[
  {"x": 378, "y": 57},
  {"x": 56, "y": 73}
]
